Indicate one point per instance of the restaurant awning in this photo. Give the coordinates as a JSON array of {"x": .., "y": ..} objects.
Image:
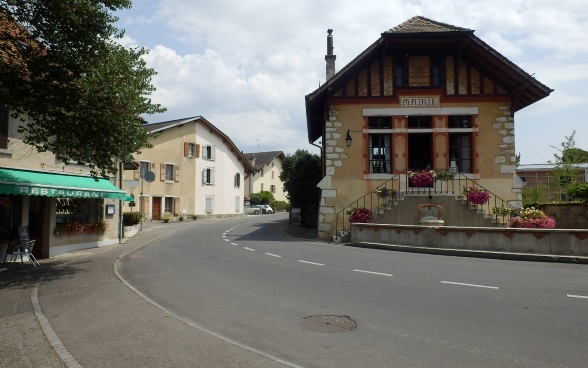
[{"x": 35, "y": 183}]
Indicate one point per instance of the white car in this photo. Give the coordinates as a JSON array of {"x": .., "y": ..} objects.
[
  {"x": 265, "y": 208},
  {"x": 253, "y": 210}
]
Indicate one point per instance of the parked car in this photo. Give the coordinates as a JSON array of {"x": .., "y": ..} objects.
[
  {"x": 265, "y": 208},
  {"x": 253, "y": 210}
]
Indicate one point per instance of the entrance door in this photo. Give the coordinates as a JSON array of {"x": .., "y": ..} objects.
[
  {"x": 39, "y": 225},
  {"x": 420, "y": 151},
  {"x": 156, "y": 208}
]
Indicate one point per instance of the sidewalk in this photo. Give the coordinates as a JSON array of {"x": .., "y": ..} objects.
[{"x": 92, "y": 319}]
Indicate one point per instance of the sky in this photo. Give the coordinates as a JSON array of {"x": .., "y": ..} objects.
[{"x": 246, "y": 65}]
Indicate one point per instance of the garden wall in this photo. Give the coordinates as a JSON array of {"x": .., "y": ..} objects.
[
  {"x": 568, "y": 215},
  {"x": 562, "y": 242}
]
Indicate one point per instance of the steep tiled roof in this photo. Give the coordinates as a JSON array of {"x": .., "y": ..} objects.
[
  {"x": 263, "y": 158},
  {"x": 421, "y": 24},
  {"x": 159, "y": 127}
]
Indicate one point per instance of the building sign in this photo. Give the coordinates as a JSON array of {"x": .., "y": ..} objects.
[
  {"x": 58, "y": 192},
  {"x": 419, "y": 101}
]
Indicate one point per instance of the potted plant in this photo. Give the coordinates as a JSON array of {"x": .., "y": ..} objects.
[
  {"x": 181, "y": 218},
  {"x": 422, "y": 178},
  {"x": 476, "y": 195},
  {"x": 165, "y": 219},
  {"x": 386, "y": 193},
  {"x": 444, "y": 175},
  {"x": 194, "y": 217},
  {"x": 503, "y": 211},
  {"x": 532, "y": 218},
  {"x": 361, "y": 215}
]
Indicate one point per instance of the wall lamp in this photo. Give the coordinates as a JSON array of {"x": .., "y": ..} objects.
[{"x": 348, "y": 139}]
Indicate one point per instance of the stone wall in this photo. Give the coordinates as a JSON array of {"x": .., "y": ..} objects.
[
  {"x": 568, "y": 215},
  {"x": 530, "y": 241}
]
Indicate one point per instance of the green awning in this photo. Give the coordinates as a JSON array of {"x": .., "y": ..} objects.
[{"x": 35, "y": 183}]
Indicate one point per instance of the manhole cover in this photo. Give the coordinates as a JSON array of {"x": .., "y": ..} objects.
[{"x": 327, "y": 323}]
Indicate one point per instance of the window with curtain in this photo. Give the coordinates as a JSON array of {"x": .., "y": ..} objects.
[
  {"x": 460, "y": 151},
  {"x": 380, "y": 148}
]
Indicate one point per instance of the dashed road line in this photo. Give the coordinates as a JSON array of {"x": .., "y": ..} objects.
[
  {"x": 274, "y": 255},
  {"x": 577, "y": 296},
  {"x": 234, "y": 244},
  {"x": 472, "y": 285},
  {"x": 312, "y": 263},
  {"x": 249, "y": 249},
  {"x": 374, "y": 273}
]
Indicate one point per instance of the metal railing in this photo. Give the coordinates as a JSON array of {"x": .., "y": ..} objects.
[{"x": 399, "y": 188}]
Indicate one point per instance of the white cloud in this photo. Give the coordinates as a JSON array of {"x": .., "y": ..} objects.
[{"x": 247, "y": 65}]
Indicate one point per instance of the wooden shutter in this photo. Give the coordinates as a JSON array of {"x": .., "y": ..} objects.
[
  {"x": 186, "y": 149},
  {"x": 136, "y": 174},
  {"x": 176, "y": 206},
  {"x": 212, "y": 153},
  {"x": 211, "y": 176},
  {"x": 162, "y": 172},
  {"x": 197, "y": 151},
  {"x": 177, "y": 172}
]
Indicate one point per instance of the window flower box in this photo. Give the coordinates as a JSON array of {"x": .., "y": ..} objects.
[
  {"x": 360, "y": 215},
  {"x": 422, "y": 178},
  {"x": 476, "y": 196}
]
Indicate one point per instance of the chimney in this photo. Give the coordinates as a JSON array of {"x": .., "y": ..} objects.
[{"x": 330, "y": 58}]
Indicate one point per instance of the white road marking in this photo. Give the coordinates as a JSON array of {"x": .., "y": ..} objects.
[
  {"x": 227, "y": 240},
  {"x": 234, "y": 244},
  {"x": 374, "y": 273},
  {"x": 273, "y": 255},
  {"x": 577, "y": 296},
  {"x": 250, "y": 249},
  {"x": 312, "y": 263},
  {"x": 474, "y": 285}
]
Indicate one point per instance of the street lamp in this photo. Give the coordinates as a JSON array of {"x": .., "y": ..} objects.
[{"x": 348, "y": 139}]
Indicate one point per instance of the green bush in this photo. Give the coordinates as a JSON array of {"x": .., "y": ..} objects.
[
  {"x": 578, "y": 192},
  {"x": 131, "y": 218}
]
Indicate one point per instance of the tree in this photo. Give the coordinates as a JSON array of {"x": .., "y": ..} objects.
[
  {"x": 263, "y": 197},
  {"x": 301, "y": 172},
  {"x": 566, "y": 165},
  {"x": 80, "y": 92}
]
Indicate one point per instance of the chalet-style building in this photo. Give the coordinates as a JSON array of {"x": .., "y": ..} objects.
[
  {"x": 266, "y": 177},
  {"x": 426, "y": 95},
  {"x": 193, "y": 168}
]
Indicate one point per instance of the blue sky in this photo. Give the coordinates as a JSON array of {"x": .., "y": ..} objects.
[{"x": 247, "y": 65}]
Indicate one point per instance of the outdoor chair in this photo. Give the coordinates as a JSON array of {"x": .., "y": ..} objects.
[{"x": 24, "y": 249}]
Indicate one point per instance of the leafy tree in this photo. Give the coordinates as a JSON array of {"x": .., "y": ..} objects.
[
  {"x": 263, "y": 197},
  {"x": 301, "y": 172},
  {"x": 79, "y": 91},
  {"x": 566, "y": 162}
]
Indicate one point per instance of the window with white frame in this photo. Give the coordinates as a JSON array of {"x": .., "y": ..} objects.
[
  {"x": 238, "y": 180},
  {"x": 143, "y": 169},
  {"x": 273, "y": 188},
  {"x": 208, "y": 153},
  {"x": 208, "y": 176},
  {"x": 169, "y": 172},
  {"x": 169, "y": 205},
  {"x": 191, "y": 149}
]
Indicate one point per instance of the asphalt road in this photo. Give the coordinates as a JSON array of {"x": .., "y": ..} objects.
[{"x": 244, "y": 281}]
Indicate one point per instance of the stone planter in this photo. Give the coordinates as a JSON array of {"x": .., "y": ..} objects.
[{"x": 132, "y": 230}]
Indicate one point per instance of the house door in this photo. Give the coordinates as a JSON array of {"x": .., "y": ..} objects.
[
  {"x": 156, "y": 208},
  {"x": 420, "y": 151}
]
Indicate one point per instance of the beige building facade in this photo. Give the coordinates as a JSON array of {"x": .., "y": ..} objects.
[
  {"x": 266, "y": 177},
  {"x": 424, "y": 96},
  {"x": 40, "y": 192},
  {"x": 193, "y": 168}
]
